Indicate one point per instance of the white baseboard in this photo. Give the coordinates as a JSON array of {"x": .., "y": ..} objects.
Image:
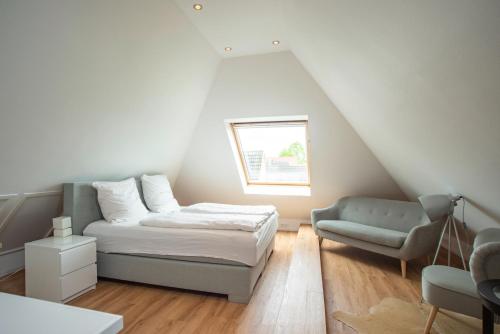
[
  {"x": 291, "y": 224},
  {"x": 11, "y": 261}
]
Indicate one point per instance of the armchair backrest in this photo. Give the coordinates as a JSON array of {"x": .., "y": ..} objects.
[
  {"x": 395, "y": 215},
  {"x": 485, "y": 260}
]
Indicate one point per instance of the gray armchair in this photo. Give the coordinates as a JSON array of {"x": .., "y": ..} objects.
[
  {"x": 455, "y": 289},
  {"x": 394, "y": 228}
]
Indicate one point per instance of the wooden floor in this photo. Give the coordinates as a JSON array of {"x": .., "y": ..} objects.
[
  {"x": 355, "y": 280},
  {"x": 288, "y": 298}
]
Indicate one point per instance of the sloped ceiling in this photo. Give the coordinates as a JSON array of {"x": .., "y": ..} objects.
[
  {"x": 418, "y": 80},
  {"x": 420, "y": 83},
  {"x": 92, "y": 90}
]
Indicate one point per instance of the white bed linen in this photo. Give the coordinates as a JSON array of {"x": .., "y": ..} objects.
[
  {"x": 133, "y": 238},
  {"x": 216, "y": 208},
  {"x": 209, "y": 221}
]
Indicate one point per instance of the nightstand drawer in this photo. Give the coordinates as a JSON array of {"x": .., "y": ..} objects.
[
  {"x": 77, "y": 258},
  {"x": 77, "y": 281}
]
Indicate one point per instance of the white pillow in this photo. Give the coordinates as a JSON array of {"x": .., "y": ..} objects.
[
  {"x": 120, "y": 201},
  {"x": 158, "y": 194}
]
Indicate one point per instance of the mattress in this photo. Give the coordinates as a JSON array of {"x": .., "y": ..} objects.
[{"x": 133, "y": 238}]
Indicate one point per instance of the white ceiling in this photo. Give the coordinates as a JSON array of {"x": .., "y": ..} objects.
[{"x": 248, "y": 27}]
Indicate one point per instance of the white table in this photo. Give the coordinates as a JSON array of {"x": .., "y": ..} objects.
[{"x": 22, "y": 315}]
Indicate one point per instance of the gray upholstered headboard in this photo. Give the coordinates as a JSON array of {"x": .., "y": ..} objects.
[{"x": 80, "y": 203}]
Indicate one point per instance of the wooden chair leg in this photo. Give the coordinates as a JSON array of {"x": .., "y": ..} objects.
[
  {"x": 403, "y": 268},
  {"x": 431, "y": 318}
]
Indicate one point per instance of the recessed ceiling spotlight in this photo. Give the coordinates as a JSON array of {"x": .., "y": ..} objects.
[
  {"x": 276, "y": 42},
  {"x": 228, "y": 48},
  {"x": 197, "y": 6}
]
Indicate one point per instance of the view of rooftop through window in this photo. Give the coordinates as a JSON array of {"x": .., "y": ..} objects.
[{"x": 273, "y": 152}]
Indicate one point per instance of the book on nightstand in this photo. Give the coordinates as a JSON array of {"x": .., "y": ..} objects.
[
  {"x": 62, "y": 233},
  {"x": 62, "y": 227},
  {"x": 61, "y": 222}
]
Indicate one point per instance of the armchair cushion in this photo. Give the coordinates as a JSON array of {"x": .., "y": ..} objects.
[
  {"x": 452, "y": 289},
  {"x": 376, "y": 235},
  {"x": 450, "y": 278}
]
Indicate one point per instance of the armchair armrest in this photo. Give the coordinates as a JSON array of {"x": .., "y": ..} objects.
[
  {"x": 484, "y": 262},
  {"x": 330, "y": 212},
  {"x": 421, "y": 240}
]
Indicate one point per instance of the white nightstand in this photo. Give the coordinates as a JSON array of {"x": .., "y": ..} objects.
[{"x": 60, "y": 269}]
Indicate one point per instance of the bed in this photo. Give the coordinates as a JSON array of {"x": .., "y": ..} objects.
[{"x": 223, "y": 262}]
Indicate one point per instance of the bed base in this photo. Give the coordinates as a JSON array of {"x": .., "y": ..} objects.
[{"x": 235, "y": 281}]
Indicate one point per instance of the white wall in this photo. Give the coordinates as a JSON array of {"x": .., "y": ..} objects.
[
  {"x": 420, "y": 82},
  {"x": 93, "y": 89},
  {"x": 274, "y": 85}
]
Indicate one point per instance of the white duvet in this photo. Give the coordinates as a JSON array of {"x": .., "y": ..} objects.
[
  {"x": 209, "y": 221},
  {"x": 266, "y": 210},
  {"x": 233, "y": 245}
]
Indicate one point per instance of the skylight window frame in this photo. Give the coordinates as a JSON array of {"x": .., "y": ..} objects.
[{"x": 299, "y": 121}]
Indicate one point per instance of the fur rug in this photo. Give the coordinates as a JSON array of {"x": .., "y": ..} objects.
[{"x": 394, "y": 316}]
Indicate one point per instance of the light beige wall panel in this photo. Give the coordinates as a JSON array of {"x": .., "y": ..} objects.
[{"x": 31, "y": 219}]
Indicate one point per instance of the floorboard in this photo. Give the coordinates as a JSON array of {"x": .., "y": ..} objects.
[
  {"x": 355, "y": 280},
  {"x": 303, "y": 308}
]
